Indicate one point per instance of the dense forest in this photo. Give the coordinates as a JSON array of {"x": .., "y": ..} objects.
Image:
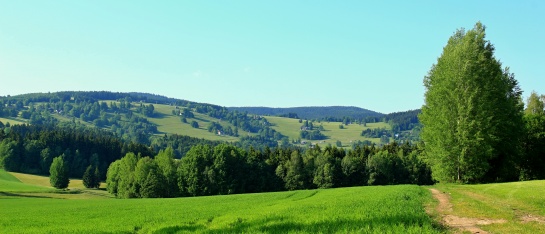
[{"x": 32, "y": 148}]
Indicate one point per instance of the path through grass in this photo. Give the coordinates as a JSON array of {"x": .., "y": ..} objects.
[{"x": 520, "y": 204}]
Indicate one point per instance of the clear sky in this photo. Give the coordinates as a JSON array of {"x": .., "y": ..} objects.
[{"x": 370, "y": 54}]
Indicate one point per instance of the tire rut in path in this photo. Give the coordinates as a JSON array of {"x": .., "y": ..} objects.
[{"x": 461, "y": 223}]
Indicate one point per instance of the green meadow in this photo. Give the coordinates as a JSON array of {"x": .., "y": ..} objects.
[
  {"x": 385, "y": 209},
  {"x": 347, "y": 135}
]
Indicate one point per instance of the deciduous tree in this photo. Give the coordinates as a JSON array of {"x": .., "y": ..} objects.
[
  {"x": 472, "y": 112},
  {"x": 59, "y": 173}
]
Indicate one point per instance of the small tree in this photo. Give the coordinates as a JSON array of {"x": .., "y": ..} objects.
[
  {"x": 97, "y": 177},
  {"x": 195, "y": 124},
  {"x": 91, "y": 178},
  {"x": 59, "y": 173},
  {"x": 88, "y": 179}
]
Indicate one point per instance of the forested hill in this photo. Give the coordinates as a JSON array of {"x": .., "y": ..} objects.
[
  {"x": 101, "y": 95},
  {"x": 322, "y": 112}
]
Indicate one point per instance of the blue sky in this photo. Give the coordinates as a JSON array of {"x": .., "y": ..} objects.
[{"x": 370, "y": 54}]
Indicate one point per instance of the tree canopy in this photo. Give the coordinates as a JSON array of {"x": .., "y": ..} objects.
[
  {"x": 472, "y": 112},
  {"x": 59, "y": 173}
]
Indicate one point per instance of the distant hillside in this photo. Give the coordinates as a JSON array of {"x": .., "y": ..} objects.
[
  {"x": 312, "y": 112},
  {"x": 405, "y": 120}
]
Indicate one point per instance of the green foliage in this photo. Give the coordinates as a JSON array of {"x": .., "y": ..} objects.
[
  {"x": 31, "y": 148},
  {"x": 471, "y": 115},
  {"x": 121, "y": 179},
  {"x": 194, "y": 124},
  {"x": 207, "y": 171},
  {"x": 328, "y": 170},
  {"x": 533, "y": 160},
  {"x": 167, "y": 167},
  {"x": 227, "y": 169},
  {"x": 149, "y": 182},
  {"x": 91, "y": 177},
  {"x": 534, "y": 105},
  {"x": 293, "y": 173},
  {"x": 312, "y": 135},
  {"x": 147, "y": 110},
  {"x": 59, "y": 173},
  {"x": 8, "y": 156}
]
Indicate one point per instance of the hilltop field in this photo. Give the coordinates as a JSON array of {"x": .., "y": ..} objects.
[
  {"x": 29, "y": 205},
  {"x": 171, "y": 124}
]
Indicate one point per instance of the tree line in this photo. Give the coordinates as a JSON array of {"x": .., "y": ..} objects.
[{"x": 228, "y": 169}]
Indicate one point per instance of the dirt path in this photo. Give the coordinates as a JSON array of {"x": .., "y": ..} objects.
[{"x": 461, "y": 223}]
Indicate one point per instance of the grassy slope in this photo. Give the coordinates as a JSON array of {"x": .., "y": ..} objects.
[
  {"x": 168, "y": 123},
  {"x": 509, "y": 201},
  {"x": 387, "y": 209},
  {"x": 11, "y": 184},
  {"x": 291, "y": 128}
]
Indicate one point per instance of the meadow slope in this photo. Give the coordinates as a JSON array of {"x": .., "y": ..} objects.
[{"x": 386, "y": 209}]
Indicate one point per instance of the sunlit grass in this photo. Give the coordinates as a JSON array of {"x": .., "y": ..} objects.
[
  {"x": 10, "y": 183},
  {"x": 509, "y": 201},
  {"x": 389, "y": 209}
]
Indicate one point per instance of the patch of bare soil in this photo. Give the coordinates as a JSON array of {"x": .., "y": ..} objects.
[
  {"x": 461, "y": 223},
  {"x": 532, "y": 218}
]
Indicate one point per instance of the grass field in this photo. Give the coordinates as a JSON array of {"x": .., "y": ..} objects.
[
  {"x": 386, "y": 209},
  {"x": 11, "y": 121},
  {"x": 291, "y": 128},
  {"x": 520, "y": 204}
]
